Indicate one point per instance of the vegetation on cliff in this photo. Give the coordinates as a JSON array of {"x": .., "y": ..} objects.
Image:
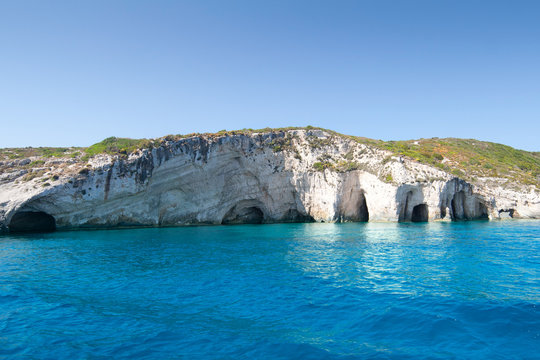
[
  {"x": 45, "y": 152},
  {"x": 471, "y": 158},
  {"x": 117, "y": 146},
  {"x": 466, "y": 158}
]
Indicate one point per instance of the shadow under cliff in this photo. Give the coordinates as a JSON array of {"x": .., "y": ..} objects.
[
  {"x": 459, "y": 201},
  {"x": 411, "y": 206}
]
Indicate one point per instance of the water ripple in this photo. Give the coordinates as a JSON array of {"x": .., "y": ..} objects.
[{"x": 291, "y": 291}]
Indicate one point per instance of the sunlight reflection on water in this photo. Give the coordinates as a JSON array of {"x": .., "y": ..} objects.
[{"x": 336, "y": 291}]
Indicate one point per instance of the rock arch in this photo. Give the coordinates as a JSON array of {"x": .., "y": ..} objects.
[
  {"x": 457, "y": 205},
  {"x": 467, "y": 207},
  {"x": 32, "y": 221},
  {"x": 481, "y": 211},
  {"x": 411, "y": 205},
  {"x": 506, "y": 213},
  {"x": 405, "y": 212},
  {"x": 420, "y": 213},
  {"x": 363, "y": 212},
  {"x": 354, "y": 208},
  {"x": 244, "y": 212},
  {"x": 295, "y": 216}
]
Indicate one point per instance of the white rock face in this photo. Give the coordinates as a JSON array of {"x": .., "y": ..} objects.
[{"x": 271, "y": 177}]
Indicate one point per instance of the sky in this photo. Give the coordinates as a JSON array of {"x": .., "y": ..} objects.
[{"x": 75, "y": 72}]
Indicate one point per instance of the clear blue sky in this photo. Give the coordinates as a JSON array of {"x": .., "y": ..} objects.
[{"x": 75, "y": 72}]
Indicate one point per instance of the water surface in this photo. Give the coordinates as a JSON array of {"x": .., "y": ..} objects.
[{"x": 290, "y": 291}]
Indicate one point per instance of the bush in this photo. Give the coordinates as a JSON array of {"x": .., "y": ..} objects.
[
  {"x": 319, "y": 166},
  {"x": 32, "y": 175},
  {"x": 322, "y": 165},
  {"x": 36, "y": 163},
  {"x": 117, "y": 146}
]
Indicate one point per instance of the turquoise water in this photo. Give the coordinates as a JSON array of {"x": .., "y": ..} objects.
[{"x": 290, "y": 291}]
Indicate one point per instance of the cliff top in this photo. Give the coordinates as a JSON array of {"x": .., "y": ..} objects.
[{"x": 465, "y": 158}]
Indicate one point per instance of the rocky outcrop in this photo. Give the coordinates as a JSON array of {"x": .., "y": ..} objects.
[{"x": 289, "y": 176}]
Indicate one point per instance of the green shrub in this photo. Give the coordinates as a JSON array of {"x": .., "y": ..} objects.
[
  {"x": 467, "y": 158},
  {"x": 319, "y": 166},
  {"x": 117, "y": 146},
  {"x": 32, "y": 175},
  {"x": 36, "y": 163},
  {"x": 323, "y": 165}
]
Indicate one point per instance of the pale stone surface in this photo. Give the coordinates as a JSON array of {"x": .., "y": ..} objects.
[{"x": 243, "y": 178}]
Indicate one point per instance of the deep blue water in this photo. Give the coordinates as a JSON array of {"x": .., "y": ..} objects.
[{"x": 291, "y": 291}]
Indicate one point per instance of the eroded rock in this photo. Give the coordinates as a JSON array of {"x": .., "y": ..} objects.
[{"x": 257, "y": 178}]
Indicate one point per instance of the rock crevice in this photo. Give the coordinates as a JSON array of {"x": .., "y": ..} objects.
[{"x": 292, "y": 176}]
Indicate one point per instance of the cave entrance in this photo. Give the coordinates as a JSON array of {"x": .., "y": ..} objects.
[
  {"x": 482, "y": 211},
  {"x": 506, "y": 213},
  {"x": 404, "y": 213},
  {"x": 458, "y": 206},
  {"x": 243, "y": 215},
  {"x": 295, "y": 216},
  {"x": 420, "y": 213},
  {"x": 32, "y": 221},
  {"x": 363, "y": 212},
  {"x": 468, "y": 207},
  {"x": 353, "y": 208}
]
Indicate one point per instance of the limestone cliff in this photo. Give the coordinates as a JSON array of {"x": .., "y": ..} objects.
[{"x": 277, "y": 176}]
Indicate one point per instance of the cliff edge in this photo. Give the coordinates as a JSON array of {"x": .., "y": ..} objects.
[{"x": 290, "y": 175}]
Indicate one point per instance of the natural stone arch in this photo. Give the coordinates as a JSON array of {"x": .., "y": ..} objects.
[
  {"x": 295, "y": 216},
  {"x": 458, "y": 206},
  {"x": 355, "y": 208},
  {"x": 363, "y": 212},
  {"x": 32, "y": 221},
  {"x": 404, "y": 214},
  {"x": 481, "y": 211},
  {"x": 468, "y": 207},
  {"x": 445, "y": 212},
  {"x": 420, "y": 213},
  {"x": 244, "y": 212},
  {"x": 411, "y": 205},
  {"x": 506, "y": 213}
]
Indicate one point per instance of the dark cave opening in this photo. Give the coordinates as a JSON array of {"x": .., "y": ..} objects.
[
  {"x": 403, "y": 213},
  {"x": 243, "y": 215},
  {"x": 467, "y": 207},
  {"x": 506, "y": 213},
  {"x": 353, "y": 208},
  {"x": 481, "y": 211},
  {"x": 458, "y": 206},
  {"x": 32, "y": 221},
  {"x": 420, "y": 213},
  {"x": 295, "y": 216},
  {"x": 443, "y": 212},
  {"x": 363, "y": 212}
]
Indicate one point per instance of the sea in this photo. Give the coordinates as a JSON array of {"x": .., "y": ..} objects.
[{"x": 462, "y": 290}]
